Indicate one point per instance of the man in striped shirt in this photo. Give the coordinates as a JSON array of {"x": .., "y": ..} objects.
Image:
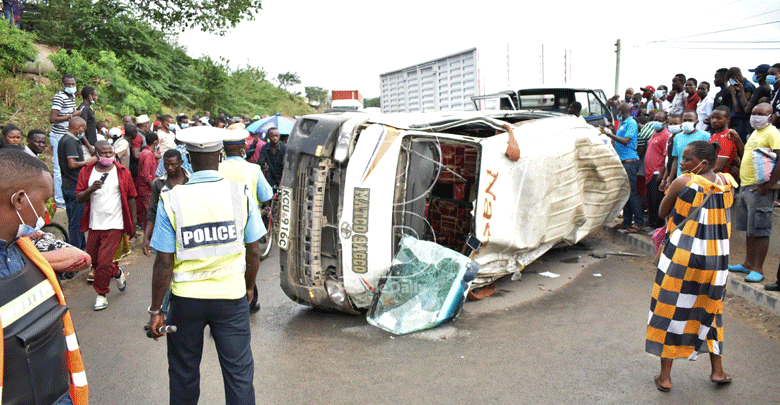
[{"x": 63, "y": 108}]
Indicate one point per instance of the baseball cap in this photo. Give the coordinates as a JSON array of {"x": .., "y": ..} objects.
[
  {"x": 648, "y": 88},
  {"x": 761, "y": 69}
]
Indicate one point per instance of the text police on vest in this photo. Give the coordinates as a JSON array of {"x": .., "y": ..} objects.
[{"x": 213, "y": 233}]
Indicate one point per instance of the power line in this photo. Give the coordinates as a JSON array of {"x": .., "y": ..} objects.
[
  {"x": 715, "y": 32},
  {"x": 723, "y": 49},
  {"x": 730, "y": 42}
]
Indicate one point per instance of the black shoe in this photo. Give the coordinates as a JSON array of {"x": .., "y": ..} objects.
[{"x": 772, "y": 287}]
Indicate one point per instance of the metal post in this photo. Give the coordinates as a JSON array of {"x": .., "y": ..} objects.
[
  {"x": 508, "y": 82},
  {"x": 542, "y": 63},
  {"x": 617, "y": 67},
  {"x": 566, "y": 66}
]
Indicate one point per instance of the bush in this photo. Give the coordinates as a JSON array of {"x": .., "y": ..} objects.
[{"x": 16, "y": 47}]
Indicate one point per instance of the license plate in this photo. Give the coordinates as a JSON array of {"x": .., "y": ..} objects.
[{"x": 285, "y": 217}]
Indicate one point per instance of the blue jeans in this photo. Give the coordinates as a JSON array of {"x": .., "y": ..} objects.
[
  {"x": 75, "y": 212},
  {"x": 56, "y": 175},
  {"x": 632, "y": 211}
]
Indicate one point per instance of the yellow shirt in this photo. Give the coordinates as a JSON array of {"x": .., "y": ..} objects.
[{"x": 768, "y": 137}]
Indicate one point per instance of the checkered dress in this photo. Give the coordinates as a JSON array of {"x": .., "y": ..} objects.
[{"x": 690, "y": 284}]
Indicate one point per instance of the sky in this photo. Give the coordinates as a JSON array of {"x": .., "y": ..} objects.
[{"x": 347, "y": 44}]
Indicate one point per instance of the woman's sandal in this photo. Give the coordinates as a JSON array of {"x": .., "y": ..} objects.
[{"x": 659, "y": 386}]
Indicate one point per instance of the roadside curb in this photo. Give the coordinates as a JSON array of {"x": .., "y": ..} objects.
[{"x": 751, "y": 292}]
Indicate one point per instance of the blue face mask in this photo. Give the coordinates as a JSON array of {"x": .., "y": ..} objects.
[
  {"x": 24, "y": 229},
  {"x": 755, "y": 78},
  {"x": 79, "y": 136},
  {"x": 171, "y": 127},
  {"x": 660, "y": 94},
  {"x": 770, "y": 80},
  {"x": 658, "y": 125},
  {"x": 183, "y": 125},
  {"x": 674, "y": 129},
  {"x": 70, "y": 90},
  {"x": 92, "y": 101}
]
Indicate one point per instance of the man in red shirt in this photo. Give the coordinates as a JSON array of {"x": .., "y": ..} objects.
[
  {"x": 654, "y": 163},
  {"x": 147, "y": 166},
  {"x": 719, "y": 127},
  {"x": 108, "y": 191},
  {"x": 692, "y": 100}
]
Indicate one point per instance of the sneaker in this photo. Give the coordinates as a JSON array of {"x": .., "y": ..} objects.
[
  {"x": 100, "y": 303},
  {"x": 121, "y": 280}
]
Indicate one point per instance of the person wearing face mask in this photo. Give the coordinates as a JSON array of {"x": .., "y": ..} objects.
[
  {"x": 689, "y": 134},
  {"x": 55, "y": 373},
  {"x": 763, "y": 90},
  {"x": 625, "y": 146},
  {"x": 773, "y": 79},
  {"x": 167, "y": 133},
  {"x": 686, "y": 317},
  {"x": 636, "y": 105},
  {"x": 183, "y": 121},
  {"x": 754, "y": 203},
  {"x": 654, "y": 166},
  {"x": 63, "y": 108},
  {"x": 236, "y": 168},
  {"x": 89, "y": 94},
  {"x": 71, "y": 158},
  {"x": 108, "y": 191}
]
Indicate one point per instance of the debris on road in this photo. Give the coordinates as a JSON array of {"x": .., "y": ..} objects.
[{"x": 549, "y": 274}]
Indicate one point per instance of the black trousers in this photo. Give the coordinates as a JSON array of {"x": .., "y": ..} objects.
[
  {"x": 229, "y": 324},
  {"x": 654, "y": 197}
]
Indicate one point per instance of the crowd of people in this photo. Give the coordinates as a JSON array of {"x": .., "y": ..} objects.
[
  {"x": 116, "y": 184},
  {"x": 699, "y": 160}
]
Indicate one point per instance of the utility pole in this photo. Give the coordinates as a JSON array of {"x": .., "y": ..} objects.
[
  {"x": 508, "y": 82},
  {"x": 617, "y": 67},
  {"x": 566, "y": 66},
  {"x": 541, "y": 62}
]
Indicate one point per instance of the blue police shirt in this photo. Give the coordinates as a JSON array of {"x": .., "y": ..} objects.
[
  {"x": 264, "y": 190},
  {"x": 164, "y": 237}
]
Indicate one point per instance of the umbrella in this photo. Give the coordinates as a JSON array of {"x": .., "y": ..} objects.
[{"x": 282, "y": 123}]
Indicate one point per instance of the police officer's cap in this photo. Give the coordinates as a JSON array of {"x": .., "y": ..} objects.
[
  {"x": 202, "y": 139},
  {"x": 235, "y": 134}
]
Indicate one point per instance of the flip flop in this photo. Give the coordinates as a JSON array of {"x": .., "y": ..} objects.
[
  {"x": 90, "y": 279},
  {"x": 754, "y": 277},
  {"x": 620, "y": 226},
  {"x": 659, "y": 386},
  {"x": 724, "y": 381},
  {"x": 738, "y": 268}
]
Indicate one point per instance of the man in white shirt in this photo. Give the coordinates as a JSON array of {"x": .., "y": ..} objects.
[{"x": 704, "y": 107}]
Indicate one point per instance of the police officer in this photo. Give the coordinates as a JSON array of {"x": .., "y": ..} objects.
[
  {"x": 31, "y": 300},
  {"x": 206, "y": 234},
  {"x": 236, "y": 168}
]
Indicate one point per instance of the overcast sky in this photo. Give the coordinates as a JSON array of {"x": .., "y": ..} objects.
[{"x": 347, "y": 44}]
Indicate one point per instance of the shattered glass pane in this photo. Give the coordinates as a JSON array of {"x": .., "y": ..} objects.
[{"x": 425, "y": 287}]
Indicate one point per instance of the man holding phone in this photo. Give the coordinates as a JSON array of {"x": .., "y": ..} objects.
[{"x": 110, "y": 194}]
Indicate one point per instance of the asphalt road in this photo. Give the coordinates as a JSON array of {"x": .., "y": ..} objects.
[{"x": 578, "y": 338}]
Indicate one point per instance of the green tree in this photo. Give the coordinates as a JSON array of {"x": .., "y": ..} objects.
[
  {"x": 371, "y": 102},
  {"x": 287, "y": 79},
  {"x": 317, "y": 94},
  {"x": 16, "y": 47}
]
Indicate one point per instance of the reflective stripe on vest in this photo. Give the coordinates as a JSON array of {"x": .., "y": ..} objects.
[
  {"x": 238, "y": 268},
  {"x": 26, "y": 302},
  {"x": 208, "y": 231},
  {"x": 242, "y": 172}
]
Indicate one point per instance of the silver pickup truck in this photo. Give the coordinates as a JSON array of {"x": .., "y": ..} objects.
[{"x": 501, "y": 187}]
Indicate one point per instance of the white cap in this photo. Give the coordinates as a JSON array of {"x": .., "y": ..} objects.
[
  {"x": 142, "y": 119},
  {"x": 202, "y": 139},
  {"x": 236, "y": 134},
  {"x": 115, "y": 132}
]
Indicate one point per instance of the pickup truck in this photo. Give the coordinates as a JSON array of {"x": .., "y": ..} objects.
[{"x": 501, "y": 187}]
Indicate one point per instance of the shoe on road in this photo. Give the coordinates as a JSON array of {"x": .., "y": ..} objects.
[
  {"x": 121, "y": 280},
  {"x": 772, "y": 287},
  {"x": 100, "y": 303}
]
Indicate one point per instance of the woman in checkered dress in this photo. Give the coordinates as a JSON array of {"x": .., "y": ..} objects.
[{"x": 687, "y": 302}]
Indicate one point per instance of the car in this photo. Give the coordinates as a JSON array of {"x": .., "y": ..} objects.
[
  {"x": 500, "y": 187},
  {"x": 594, "y": 107}
]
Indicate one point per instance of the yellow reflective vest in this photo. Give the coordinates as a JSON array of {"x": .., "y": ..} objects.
[
  {"x": 242, "y": 172},
  {"x": 208, "y": 219}
]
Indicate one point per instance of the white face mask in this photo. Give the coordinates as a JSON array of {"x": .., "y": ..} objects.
[
  {"x": 24, "y": 229},
  {"x": 688, "y": 127},
  {"x": 759, "y": 121}
]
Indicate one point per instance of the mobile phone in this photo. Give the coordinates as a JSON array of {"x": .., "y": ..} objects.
[
  {"x": 732, "y": 82},
  {"x": 103, "y": 177}
]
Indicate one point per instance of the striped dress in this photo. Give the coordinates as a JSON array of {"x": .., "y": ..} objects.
[{"x": 686, "y": 310}]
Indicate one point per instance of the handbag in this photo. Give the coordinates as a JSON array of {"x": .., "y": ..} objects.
[
  {"x": 662, "y": 246},
  {"x": 763, "y": 165}
]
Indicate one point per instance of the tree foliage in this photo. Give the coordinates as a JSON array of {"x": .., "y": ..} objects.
[
  {"x": 16, "y": 47},
  {"x": 287, "y": 79},
  {"x": 317, "y": 94},
  {"x": 371, "y": 102},
  {"x": 215, "y": 16}
]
